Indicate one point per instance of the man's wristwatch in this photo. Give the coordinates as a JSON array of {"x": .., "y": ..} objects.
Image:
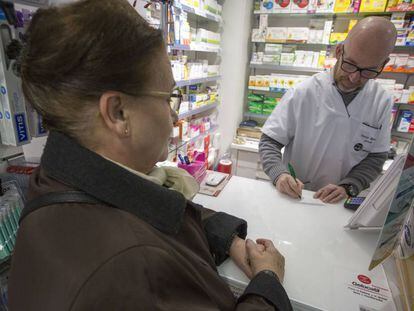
[{"x": 350, "y": 189}]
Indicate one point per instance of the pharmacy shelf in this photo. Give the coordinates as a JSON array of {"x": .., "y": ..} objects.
[
  {"x": 196, "y": 81},
  {"x": 408, "y": 135},
  {"x": 181, "y": 47},
  {"x": 256, "y": 116},
  {"x": 322, "y": 45},
  {"x": 311, "y": 15},
  {"x": 197, "y": 110},
  {"x": 404, "y": 106},
  {"x": 399, "y": 72},
  {"x": 199, "y": 12},
  {"x": 268, "y": 90},
  {"x": 194, "y": 139},
  {"x": 285, "y": 68}
]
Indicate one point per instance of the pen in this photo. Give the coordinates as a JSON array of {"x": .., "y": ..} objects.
[
  {"x": 180, "y": 157},
  {"x": 293, "y": 174},
  {"x": 187, "y": 161}
]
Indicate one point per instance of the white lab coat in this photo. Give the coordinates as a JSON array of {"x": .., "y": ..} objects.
[{"x": 322, "y": 141}]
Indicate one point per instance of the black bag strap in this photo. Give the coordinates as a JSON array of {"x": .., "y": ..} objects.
[{"x": 51, "y": 198}]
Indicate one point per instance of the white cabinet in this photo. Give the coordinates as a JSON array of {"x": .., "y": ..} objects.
[{"x": 246, "y": 162}]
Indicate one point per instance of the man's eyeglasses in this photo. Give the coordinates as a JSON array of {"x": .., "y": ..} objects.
[{"x": 364, "y": 72}]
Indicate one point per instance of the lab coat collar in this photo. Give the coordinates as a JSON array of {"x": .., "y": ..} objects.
[{"x": 352, "y": 109}]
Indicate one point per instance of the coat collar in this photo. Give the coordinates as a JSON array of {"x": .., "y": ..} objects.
[{"x": 67, "y": 161}]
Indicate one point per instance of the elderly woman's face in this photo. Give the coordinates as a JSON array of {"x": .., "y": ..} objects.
[{"x": 153, "y": 118}]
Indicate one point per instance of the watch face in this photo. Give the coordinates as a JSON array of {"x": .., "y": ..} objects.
[{"x": 352, "y": 191}]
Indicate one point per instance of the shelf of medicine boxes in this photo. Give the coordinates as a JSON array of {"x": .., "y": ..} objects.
[
  {"x": 285, "y": 68},
  {"x": 195, "y": 48},
  {"x": 404, "y": 135},
  {"x": 191, "y": 140},
  {"x": 197, "y": 110},
  {"x": 321, "y": 45},
  {"x": 399, "y": 72},
  {"x": 199, "y": 12},
  {"x": 196, "y": 81},
  {"x": 268, "y": 89},
  {"x": 324, "y": 15},
  {"x": 318, "y": 45},
  {"x": 256, "y": 115},
  {"x": 265, "y": 116}
]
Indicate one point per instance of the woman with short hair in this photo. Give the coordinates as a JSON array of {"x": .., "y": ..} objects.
[{"x": 103, "y": 229}]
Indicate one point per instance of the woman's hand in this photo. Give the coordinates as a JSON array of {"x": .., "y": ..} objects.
[{"x": 239, "y": 255}]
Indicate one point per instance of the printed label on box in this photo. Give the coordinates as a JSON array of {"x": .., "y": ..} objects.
[{"x": 21, "y": 128}]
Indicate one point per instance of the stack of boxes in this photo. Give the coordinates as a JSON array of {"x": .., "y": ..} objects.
[
  {"x": 400, "y": 62},
  {"x": 210, "y": 6},
  {"x": 275, "y": 83},
  {"x": 288, "y": 55},
  {"x": 317, "y": 32},
  {"x": 260, "y": 104},
  {"x": 184, "y": 70},
  {"x": 195, "y": 97},
  {"x": 301, "y": 6},
  {"x": 183, "y": 34},
  {"x": 405, "y": 29}
]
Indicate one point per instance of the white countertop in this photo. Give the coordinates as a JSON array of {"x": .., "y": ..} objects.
[{"x": 316, "y": 246}]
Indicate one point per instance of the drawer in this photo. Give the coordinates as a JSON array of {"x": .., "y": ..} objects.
[{"x": 247, "y": 159}]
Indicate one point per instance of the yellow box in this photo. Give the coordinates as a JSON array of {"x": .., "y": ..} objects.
[
  {"x": 252, "y": 81},
  {"x": 373, "y": 5},
  {"x": 337, "y": 37},
  {"x": 352, "y": 23},
  {"x": 321, "y": 60},
  {"x": 343, "y": 6}
]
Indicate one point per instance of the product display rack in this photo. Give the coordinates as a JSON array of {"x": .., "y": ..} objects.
[
  {"x": 285, "y": 68},
  {"x": 256, "y": 116},
  {"x": 180, "y": 47},
  {"x": 196, "y": 111},
  {"x": 196, "y": 81},
  {"x": 199, "y": 12},
  {"x": 324, "y": 15},
  {"x": 198, "y": 18},
  {"x": 181, "y": 144}
]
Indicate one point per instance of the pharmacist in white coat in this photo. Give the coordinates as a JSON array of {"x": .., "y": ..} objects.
[{"x": 335, "y": 126}]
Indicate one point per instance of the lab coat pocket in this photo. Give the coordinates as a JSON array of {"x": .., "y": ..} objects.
[{"x": 364, "y": 141}]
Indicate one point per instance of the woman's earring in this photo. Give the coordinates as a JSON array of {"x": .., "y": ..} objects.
[{"x": 126, "y": 131}]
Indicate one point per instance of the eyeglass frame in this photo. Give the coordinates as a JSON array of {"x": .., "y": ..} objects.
[
  {"x": 161, "y": 94},
  {"x": 359, "y": 68}
]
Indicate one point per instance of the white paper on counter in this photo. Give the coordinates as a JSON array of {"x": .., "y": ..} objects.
[
  {"x": 307, "y": 198},
  {"x": 362, "y": 291}
]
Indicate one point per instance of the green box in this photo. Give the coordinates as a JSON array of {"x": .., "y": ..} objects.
[
  {"x": 255, "y": 107},
  {"x": 268, "y": 108}
]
